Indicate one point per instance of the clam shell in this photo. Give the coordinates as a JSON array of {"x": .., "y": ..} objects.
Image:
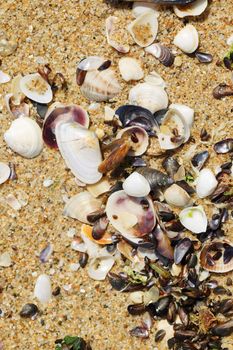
[
  {"x": 206, "y": 183},
  {"x": 149, "y": 96},
  {"x": 194, "y": 9},
  {"x": 80, "y": 205},
  {"x": 16, "y": 108},
  {"x": 111, "y": 31},
  {"x": 135, "y": 132},
  {"x": 177, "y": 196},
  {"x": 132, "y": 217},
  {"x": 144, "y": 29},
  {"x": 187, "y": 39},
  {"x": 141, "y": 7},
  {"x": 163, "y": 53},
  {"x": 80, "y": 149},
  {"x": 130, "y": 69},
  {"x": 155, "y": 79},
  {"x": 36, "y": 88},
  {"x": 5, "y": 172},
  {"x": 99, "y": 267},
  {"x": 24, "y": 137},
  {"x": 136, "y": 185},
  {"x": 194, "y": 219},
  {"x": 99, "y": 188},
  {"x": 186, "y": 111},
  {"x": 224, "y": 263},
  {"x": 91, "y": 63}
]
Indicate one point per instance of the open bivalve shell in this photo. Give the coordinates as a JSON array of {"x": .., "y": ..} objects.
[
  {"x": 113, "y": 35},
  {"x": 80, "y": 205},
  {"x": 16, "y": 106},
  {"x": 130, "y": 69},
  {"x": 208, "y": 256},
  {"x": 36, "y": 88},
  {"x": 136, "y": 185},
  {"x": 194, "y": 9},
  {"x": 141, "y": 7},
  {"x": 177, "y": 196},
  {"x": 194, "y": 219},
  {"x": 144, "y": 28},
  {"x": 206, "y": 183},
  {"x": 132, "y": 217},
  {"x": 187, "y": 39},
  {"x": 5, "y": 172},
  {"x": 186, "y": 111},
  {"x": 80, "y": 149},
  {"x": 138, "y": 137},
  {"x": 148, "y": 95},
  {"x": 24, "y": 137}
]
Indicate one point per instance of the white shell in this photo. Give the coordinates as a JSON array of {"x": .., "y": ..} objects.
[
  {"x": 99, "y": 188},
  {"x": 36, "y": 88},
  {"x": 43, "y": 289},
  {"x": 143, "y": 140},
  {"x": 194, "y": 9},
  {"x": 5, "y": 172},
  {"x": 177, "y": 196},
  {"x": 24, "y": 137},
  {"x": 5, "y": 259},
  {"x": 155, "y": 79},
  {"x": 4, "y": 78},
  {"x": 21, "y": 109},
  {"x": 130, "y": 69},
  {"x": 187, "y": 39},
  {"x": 136, "y": 185},
  {"x": 111, "y": 30},
  {"x": 144, "y": 29},
  {"x": 80, "y": 205},
  {"x": 140, "y": 8},
  {"x": 194, "y": 219},
  {"x": 230, "y": 40},
  {"x": 206, "y": 183},
  {"x": 149, "y": 96},
  {"x": 91, "y": 63},
  {"x": 186, "y": 111},
  {"x": 80, "y": 149},
  {"x": 98, "y": 268}
]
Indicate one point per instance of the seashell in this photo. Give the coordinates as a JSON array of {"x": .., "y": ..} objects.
[
  {"x": 203, "y": 57},
  {"x": 80, "y": 149},
  {"x": 13, "y": 202},
  {"x": 87, "y": 231},
  {"x": 43, "y": 289},
  {"x": 208, "y": 258},
  {"x": 194, "y": 9},
  {"x": 4, "y": 78},
  {"x": 174, "y": 130},
  {"x": 96, "y": 79},
  {"x": 24, "y": 137},
  {"x": 144, "y": 29},
  {"x": 17, "y": 108},
  {"x": 155, "y": 79},
  {"x": 133, "y": 217},
  {"x": 138, "y": 137},
  {"x": 224, "y": 146},
  {"x": 80, "y": 205},
  {"x": 28, "y": 311},
  {"x": 57, "y": 113},
  {"x": 156, "y": 178},
  {"x": 163, "y": 53},
  {"x": 164, "y": 2},
  {"x": 149, "y": 96},
  {"x": 5, "y": 172},
  {"x": 36, "y": 88},
  {"x": 46, "y": 253},
  {"x": 5, "y": 259},
  {"x": 187, "y": 112},
  {"x": 177, "y": 196},
  {"x": 187, "y": 39},
  {"x": 99, "y": 188},
  {"x": 136, "y": 185},
  {"x": 130, "y": 69},
  {"x": 173, "y": 168},
  {"x": 141, "y": 7},
  {"x": 194, "y": 219},
  {"x": 222, "y": 90},
  {"x": 206, "y": 183},
  {"x": 99, "y": 267},
  {"x": 200, "y": 159},
  {"x": 112, "y": 34}
]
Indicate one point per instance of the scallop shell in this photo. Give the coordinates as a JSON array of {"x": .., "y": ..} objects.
[
  {"x": 163, "y": 53},
  {"x": 206, "y": 183},
  {"x": 111, "y": 30},
  {"x": 36, "y": 88},
  {"x": 177, "y": 196},
  {"x": 144, "y": 29},
  {"x": 130, "y": 69},
  {"x": 132, "y": 217},
  {"x": 224, "y": 263},
  {"x": 24, "y": 137},
  {"x": 138, "y": 147},
  {"x": 194, "y": 9},
  {"x": 149, "y": 96},
  {"x": 136, "y": 185},
  {"x": 186, "y": 111},
  {"x": 80, "y": 149},
  {"x": 5, "y": 172},
  {"x": 187, "y": 39},
  {"x": 141, "y": 7},
  {"x": 81, "y": 205},
  {"x": 194, "y": 219}
]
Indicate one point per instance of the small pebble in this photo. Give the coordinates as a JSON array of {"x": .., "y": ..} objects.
[
  {"x": 178, "y": 61},
  {"x": 43, "y": 290},
  {"x": 230, "y": 40},
  {"x": 29, "y": 310},
  {"x": 5, "y": 259},
  {"x": 71, "y": 232},
  {"x": 67, "y": 287},
  {"x": 74, "y": 267},
  {"x": 108, "y": 113},
  {"x": 48, "y": 182},
  {"x": 99, "y": 133},
  {"x": 93, "y": 106},
  {"x": 56, "y": 291},
  {"x": 229, "y": 281}
]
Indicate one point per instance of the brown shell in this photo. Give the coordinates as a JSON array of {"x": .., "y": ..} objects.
[{"x": 213, "y": 255}]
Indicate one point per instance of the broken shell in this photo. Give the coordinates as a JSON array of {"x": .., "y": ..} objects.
[
  {"x": 208, "y": 256},
  {"x": 80, "y": 205},
  {"x": 5, "y": 172},
  {"x": 194, "y": 219},
  {"x": 138, "y": 137},
  {"x": 144, "y": 29},
  {"x": 163, "y": 53},
  {"x": 80, "y": 149},
  {"x": 194, "y": 9},
  {"x": 222, "y": 90},
  {"x": 99, "y": 267},
  {"x": 87, "y": 231},
  {"x": 177, "y": 196},
  {"x": 149, "y": 96},
  {"x": 4, "y": 78},
  {"x": 17, "y": 108},
  {"x": 132, "y": 217},
  {"x": 58, "y": 113},
  {"x": 187, "y": 39},
  {"x": 112, "y": 33},
  {"x": 99, "y": 188},
  {"x": 24, "y": 137},
  {"x": 206, "y": 183},
  {"x": 130, "y": 69},
  {"x": 43, "y": 289},
  {"x": 141, "y": 7},
  {"x": 187, "y": 112},
  {"x": 36, "y": 88},
  {"x": 136, "y": 185},
  {"x": 5, "y": 259}
]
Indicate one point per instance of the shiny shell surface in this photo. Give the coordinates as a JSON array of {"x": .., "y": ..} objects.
[
  {"x": 36, "y": 88},
  {"x": 138, "y": 137},
  {"x": 208, "y": 257},
  {"x": 194, "y": 219}
]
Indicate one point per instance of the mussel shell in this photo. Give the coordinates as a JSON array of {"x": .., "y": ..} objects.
[
  {"x": 199, "y": 159},
  {"x": 182, "y": 249},
  {"x": 159, "y": 115},
  {"x": 171, "y": 166},
  {"x": 156, "y": 178},
  {"x": 224, "y": 146}
]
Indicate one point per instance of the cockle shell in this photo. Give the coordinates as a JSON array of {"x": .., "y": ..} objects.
[
  {"x": 163, "y": 53},
  {"x": 130, "y": 69},
  {"x": 141, "y": 7},
  {"x": 36, "y": 88},
  {"x": 80, "y": 205},
  {"x": 194, "y": 9},
  {"x": 133, "y": 217},
  {"x": 5, "y": 172},
  {"x": 80, "y": 149},
  {"x": 155, "y": 79},
  {"x": 186, "y": 111},
  {"x": 24, "y": 137},
  {"x": 149, "y": 96},
  {"x": 136, "y": 185},
  {"x": 144, "y": 29},
  {"x": 187, "y": 39},
  {"x": 139, "y": 137},
  {"x": 224, "y": 263},
  {"x": 206, "y": 183},
  {"x": 177, "y": 196},
  {"x": 113, "y": 34},
  {"x": 194, "y": 219}
]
